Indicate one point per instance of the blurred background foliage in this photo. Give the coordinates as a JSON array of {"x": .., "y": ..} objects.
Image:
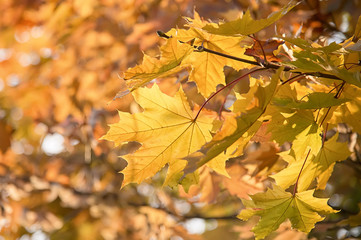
[{"x": 60, "y": 62}]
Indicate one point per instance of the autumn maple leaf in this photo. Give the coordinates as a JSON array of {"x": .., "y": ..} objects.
[
  {"x": 320, "y": 166},
  {"x": 276, "y": 205},
  {"x": 166, "y": 129}
]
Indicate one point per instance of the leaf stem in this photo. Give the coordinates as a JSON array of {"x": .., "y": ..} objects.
[
  {"x": 337, "y": 95},
  {"x": 299, "y": 175},
  {"x": 293, "y": 78},
  {"x": 324, "y": 135},
  {"x": 263, "y": 52},
  {"x": 222, "y": 88},
  {"x": 224, "y": 102}
]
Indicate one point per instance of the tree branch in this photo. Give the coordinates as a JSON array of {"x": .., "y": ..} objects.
[
  {"x": 231, "y": 216},
  {"x": 265, "y": 65}
]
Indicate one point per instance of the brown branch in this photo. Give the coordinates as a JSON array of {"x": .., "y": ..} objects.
[
  {"x": 337, "y": 95},
  {"x": 231, "y": 216},
  {"x": 265, "y": 65}
]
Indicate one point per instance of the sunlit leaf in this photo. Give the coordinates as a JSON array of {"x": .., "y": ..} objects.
[
  {"x": 207, "y": 68},
  {"x": 275, "y": 206},
  {"x": 319, "y": 166},
  {"x": 166, "y": 130},
  {"x": 172, "y": 55},
  {"x": 314, "y": 101}
]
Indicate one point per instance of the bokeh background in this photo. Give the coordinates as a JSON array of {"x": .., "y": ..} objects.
[{"x": 60, "y": 68}]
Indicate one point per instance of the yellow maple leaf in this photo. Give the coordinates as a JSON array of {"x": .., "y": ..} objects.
[
  {"x": 165, "y": 129},
  {"x": 170, "y": 61},
  {"x": 276, "y": 205},
  {"x": 207, "y": 68},
  {"x": 320, "y": 166},
  {"x": 350, "y": 112},
  {"x": 308, "y": 139}
]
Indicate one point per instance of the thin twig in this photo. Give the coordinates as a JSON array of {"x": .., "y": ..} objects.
[
  {"x": 324, "y": 135},
  {"x": 292, "y": 78},
  {"x": 337, "y": 95},
  {"x": 263, "y": 52}
]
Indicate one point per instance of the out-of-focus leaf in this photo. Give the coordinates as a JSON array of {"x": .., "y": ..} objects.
[{"x": 246, "y": 25}]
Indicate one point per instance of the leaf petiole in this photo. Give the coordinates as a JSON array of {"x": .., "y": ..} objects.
[
  {"x": 299, "y": 175},
  {"x": 222, "y": 88}
]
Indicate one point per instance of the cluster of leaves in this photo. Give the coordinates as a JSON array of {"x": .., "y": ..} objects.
[
  {"x": 59, "y": 71},
  {"x": 59, "y": 66},
  {"x": 297, "y": 92}
]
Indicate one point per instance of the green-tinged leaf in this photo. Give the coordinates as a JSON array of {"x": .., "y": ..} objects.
[
  {"x": 330, "y": 153},
  {"x": 308, "y": 62},
  {"x": 314, "y": 58},
  {"x": 319, "y": 166},
  {"x": 246, "y": 25},
  {"x": 286, "y": 124},
  {"x": 306, "y": 45},
  {"x": 314, "y": 100},
  {"x": 310, "y": 138},
  {"x": 165, "y": 129},
  {"x": 244, "y": 122},
  {"x": 353, "y": 78},
  {"x": 170, "y": 61},
  {"x": 275, "y": 206}
]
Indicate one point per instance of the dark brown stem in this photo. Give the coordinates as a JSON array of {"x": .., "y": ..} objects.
[
  {"x": 263, "y": 52},
  {"x": 328, "y": 110},
  {"x": 335, "y": 87},
  {"x": 324, "y": 135},
  {"x": 268, "y": 64},
  {"x": 337, "y": 95},
  {"x": 293, "y": 78}
]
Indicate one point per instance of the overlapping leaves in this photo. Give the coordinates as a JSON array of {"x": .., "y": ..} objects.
[
  {"x": 170, "y": 61},
  {"x": 174, "y": 134},
  {"x": 319, "y": 166}
]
